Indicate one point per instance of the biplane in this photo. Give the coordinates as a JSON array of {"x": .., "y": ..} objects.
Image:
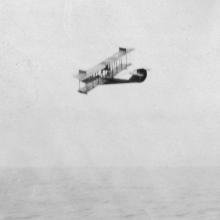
[{"x": 105, "y": 72}]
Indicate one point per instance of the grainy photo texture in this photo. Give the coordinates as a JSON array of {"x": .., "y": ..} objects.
[{"x": 109, "y": 110}]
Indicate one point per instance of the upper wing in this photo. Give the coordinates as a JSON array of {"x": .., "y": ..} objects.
[
  {"x": 116, "y": 56},
  {"x": 83, "y": 75}
]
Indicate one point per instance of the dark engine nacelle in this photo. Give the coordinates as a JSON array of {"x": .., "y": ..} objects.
[{"x": 139, "y": 75}]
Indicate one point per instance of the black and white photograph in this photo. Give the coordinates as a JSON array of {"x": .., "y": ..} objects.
[{"x": 109, "y": 110}]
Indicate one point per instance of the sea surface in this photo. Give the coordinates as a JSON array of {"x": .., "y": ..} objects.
[{"x": 110, "y": 193}]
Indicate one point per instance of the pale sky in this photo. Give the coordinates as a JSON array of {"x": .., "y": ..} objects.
[{"x": 172, "y": 119}]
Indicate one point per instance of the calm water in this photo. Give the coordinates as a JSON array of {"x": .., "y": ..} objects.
[{"x": 135, "y": 193}]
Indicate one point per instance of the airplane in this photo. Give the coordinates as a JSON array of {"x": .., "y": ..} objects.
[{"x": 105, "y": 72}]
